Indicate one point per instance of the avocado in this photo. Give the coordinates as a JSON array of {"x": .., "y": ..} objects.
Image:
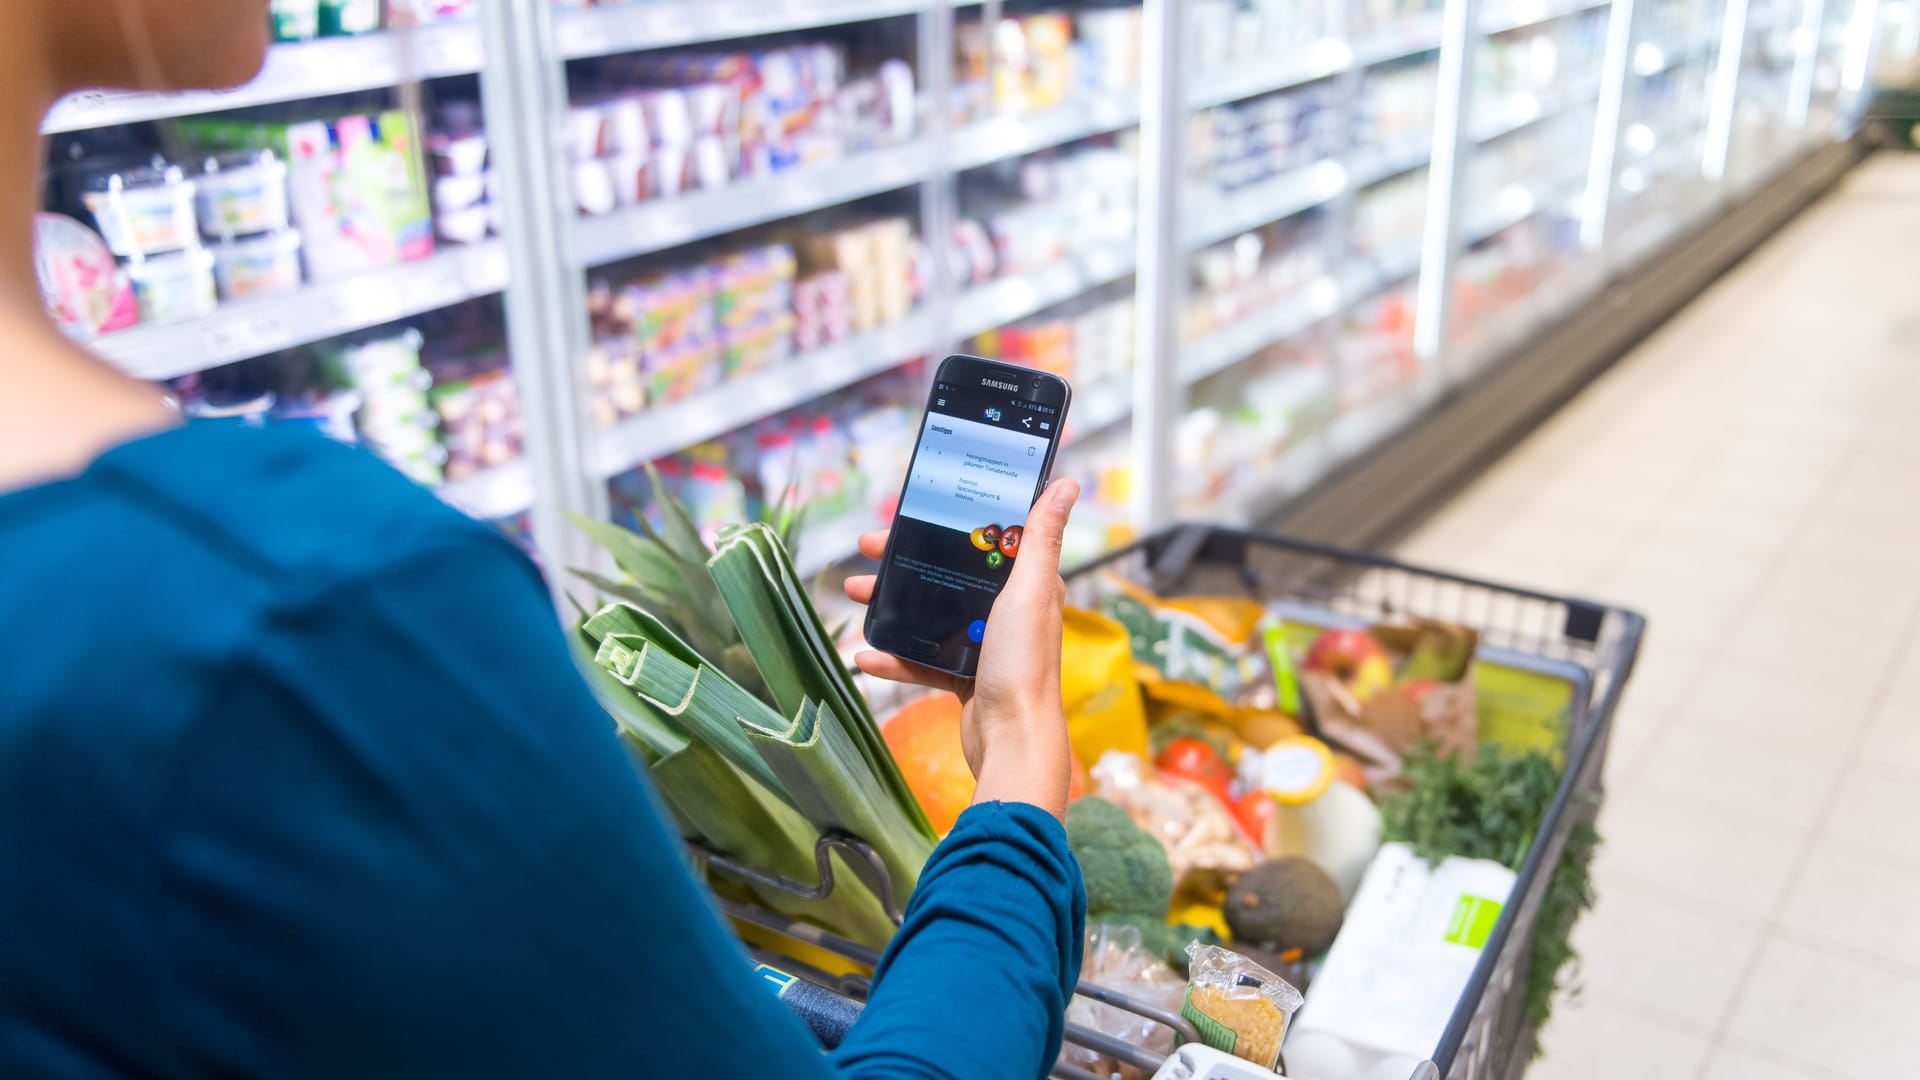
[{"x": 1285, "y": 904}]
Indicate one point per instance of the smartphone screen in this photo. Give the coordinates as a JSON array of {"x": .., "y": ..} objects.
[{"x": 986, "y": 448}]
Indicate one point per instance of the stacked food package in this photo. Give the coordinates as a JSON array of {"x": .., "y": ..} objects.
[
  {"x": 663, "y": 335},
  {"x": 660, "y": 124}
]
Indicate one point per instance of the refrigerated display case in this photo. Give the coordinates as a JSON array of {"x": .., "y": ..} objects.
[
  {"x": 1260, "y": 237},
  {"x": 319, "y": 246}
]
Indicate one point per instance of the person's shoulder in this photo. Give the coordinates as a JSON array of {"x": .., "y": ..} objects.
[{"x": 287, "y": 503}]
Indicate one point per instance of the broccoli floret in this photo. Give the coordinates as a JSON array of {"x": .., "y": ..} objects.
[{"x": 1125, "y": 868}]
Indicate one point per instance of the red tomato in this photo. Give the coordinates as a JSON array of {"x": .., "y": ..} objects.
[
  {"x": 1254, "y": 810},
  {"x": 1196, "y": 760}
]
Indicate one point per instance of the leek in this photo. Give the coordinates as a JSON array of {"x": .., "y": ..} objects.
[
  {"x": 731, "y": 688},
  {"x": 728, "y": 813}
]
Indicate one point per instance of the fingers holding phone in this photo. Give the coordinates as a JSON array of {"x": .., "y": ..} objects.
[{"x": 1013, "y": 726}]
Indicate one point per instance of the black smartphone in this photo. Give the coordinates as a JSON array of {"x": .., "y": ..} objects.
[{"x": 985, "y": 451}]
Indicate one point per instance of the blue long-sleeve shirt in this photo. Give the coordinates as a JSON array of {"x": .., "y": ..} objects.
[{"x": 297, "y": 780}]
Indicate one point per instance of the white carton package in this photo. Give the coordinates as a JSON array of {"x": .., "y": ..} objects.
[{"x": 1403, "y": 956}]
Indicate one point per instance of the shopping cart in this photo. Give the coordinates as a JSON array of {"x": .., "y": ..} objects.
[{"x": 1488, "y": 1036}]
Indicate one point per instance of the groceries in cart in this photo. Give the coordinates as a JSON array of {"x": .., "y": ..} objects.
[
  {"x": 1299, "y": 832},
  {"x": 1285, "y": 745}
]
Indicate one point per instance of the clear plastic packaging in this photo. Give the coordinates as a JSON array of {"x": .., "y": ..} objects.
[
  {"x": 1116, "y": 960},
  {"x": 1239, "y": 1006},
  {"x": 84, "y": 288},
  {"x": 1196, "y": 828}
]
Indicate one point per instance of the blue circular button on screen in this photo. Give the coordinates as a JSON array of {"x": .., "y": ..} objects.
[{"x": 977, "y": 630}]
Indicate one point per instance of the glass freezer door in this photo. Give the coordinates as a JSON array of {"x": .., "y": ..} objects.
[{"x": 319, "y": 247}]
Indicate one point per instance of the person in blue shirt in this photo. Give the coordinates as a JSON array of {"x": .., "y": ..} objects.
[{"x": 297, "y": 779}]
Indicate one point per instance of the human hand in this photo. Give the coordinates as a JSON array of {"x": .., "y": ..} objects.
[{"x": 1013, "y": 727}]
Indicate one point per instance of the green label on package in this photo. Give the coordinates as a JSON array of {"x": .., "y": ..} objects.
[
  {"x": 1212, "y": 1032},
  {"x": 1286, "y": 681},
  {"x": 1522, "y": 710},
  {"x": 1472, "y": 922}
]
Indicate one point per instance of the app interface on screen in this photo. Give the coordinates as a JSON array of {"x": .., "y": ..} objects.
[{"x": 961, "y": 517}]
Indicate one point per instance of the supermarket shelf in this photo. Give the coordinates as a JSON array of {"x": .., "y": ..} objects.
[
  {"x": 1319, "y": 60},
  {"x": 1564, "y": 291},
  {"x": 656, "y": 24},
  {"x": 1224, "y": 348},
  {"x": 1300, "y": 466},
  {"x": 1644, "y": 237},
  {"x": 1411, "y": 37},
  {"x": 1650, "y": 60},
  {"x": 267, "y": 324},
  {"x": 297, "y": 70},
  {"x": 666, "y": 223},
  {"x": 1373, "y": 499},
  {"x": 1098, "y": 407},
  {"x": 1512, "y": 205},
  {"x": 1011, "y": 136},
  {"x": 1516, "y": 111},
  {"x": 1520, "y": 14},
  {"x": 1379, "y": 163},
  {"x": 1222, "y": 217},
  {"x": 1008, "y": 299},
  {"x": 1370, "y": 275},
  {"x": 656, "y": 432},
  {"x": 1354, "y": 433},
  {"x": 1297, "y": 470},
  {"x": 498, "y": 492},
  {"x": 828, "y": 542}
]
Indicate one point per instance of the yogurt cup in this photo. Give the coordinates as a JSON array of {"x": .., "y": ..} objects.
[
  {"x": 175, "y": 286},
  {"x": 468, "y": 226},
  {"x": 144, "y": 211},
  {"x": 459, "y": 192},
  {"x": 258, "y": 265},
  {"x": 242, "y": 194}
]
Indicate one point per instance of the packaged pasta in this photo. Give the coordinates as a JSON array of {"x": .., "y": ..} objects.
[{"x": 1237, "y": 1005}]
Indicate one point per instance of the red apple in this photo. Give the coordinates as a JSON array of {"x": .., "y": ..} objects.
[
  {"x": 1417, "y": 690},
  {"x": 1353, "y": 657}
]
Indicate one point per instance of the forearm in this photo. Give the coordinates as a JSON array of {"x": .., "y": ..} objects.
[
  {"x": 1033, "y": 767},
  {"x": 976, "y": 983}
]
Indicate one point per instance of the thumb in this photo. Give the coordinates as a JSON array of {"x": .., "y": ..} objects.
[{"x": 1039, "y": 561}]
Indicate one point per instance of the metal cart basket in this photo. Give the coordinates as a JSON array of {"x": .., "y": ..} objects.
[{"x": 1487, "y": 1037}]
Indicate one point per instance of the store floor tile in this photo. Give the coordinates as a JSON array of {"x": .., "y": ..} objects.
[
  {"x": 1892, "y": 736},
  {"x": 1728, "y": 1063},
  {"x": 1678, "y": 849},
  {"x": 1874, "y": 813},
  {"x": 1754, "y": 777},
  {"x": 1749, "y": 477},
  {"x": 1863, "y": 902},
  {"x": 1591, "y": 1039},
  {"x": 1665, "y": 956},
  {"x": 1816, "y": 712},
  {"x": 1807, "y": 1003}
]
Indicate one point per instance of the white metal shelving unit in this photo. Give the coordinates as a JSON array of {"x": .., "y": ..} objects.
[
  {"x": 314, "y": 312},
  {"x": 293, "y": 72},
  {"x": 1651, "y": 172}
]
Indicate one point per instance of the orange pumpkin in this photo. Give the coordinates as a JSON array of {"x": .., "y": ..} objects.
[{"x": 924, "y": 737}]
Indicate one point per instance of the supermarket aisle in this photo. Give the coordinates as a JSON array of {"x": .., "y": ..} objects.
[{"x": 1749, "y": 478}]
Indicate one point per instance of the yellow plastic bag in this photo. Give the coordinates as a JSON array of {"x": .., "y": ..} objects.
[{"x": 1099, "y": 689}]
